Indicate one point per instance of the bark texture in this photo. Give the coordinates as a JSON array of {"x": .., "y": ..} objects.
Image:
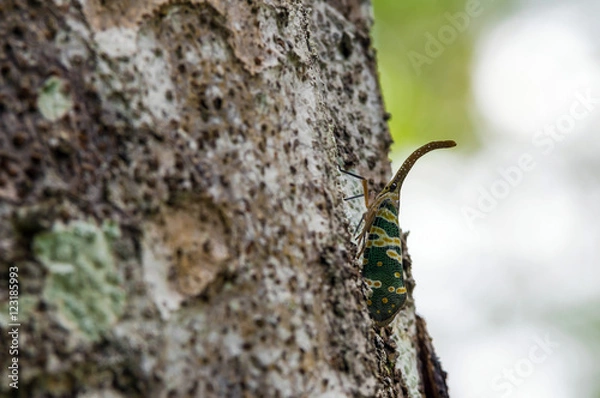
[{"x": 169, "y": 194}]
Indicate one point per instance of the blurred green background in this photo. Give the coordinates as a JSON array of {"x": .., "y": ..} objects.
[{"x": 429, "y": 97}]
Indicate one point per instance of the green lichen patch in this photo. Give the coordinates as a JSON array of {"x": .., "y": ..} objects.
[
  {"x": 54, "y": 99},
  {"x": 82, "y": 285}
]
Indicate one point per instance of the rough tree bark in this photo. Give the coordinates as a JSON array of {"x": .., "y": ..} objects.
[{"x": 170, "y": 206}]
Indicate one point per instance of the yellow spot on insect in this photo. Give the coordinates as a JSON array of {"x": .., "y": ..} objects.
[
  {"x": 393, "y": 254},
  {"x": 384, "y": 300},
  {"x": 396, "y": 242},
  {"x": 379, "y": 312},
  {"x": 397, "y": 274},
  {"x": 382, "y": 239},
  {"x": 369, "y": 302},
  {"x": 391, "y": 289},
  {"x": 392, "y": 241},
  {"x": 386, "y": 215},
  {"x": 382, "y": 236},
  {"x": 389, "y": 311},
  {"x": 379, "y": 263},
  {"x": 379, "y": 243},
  {"x": 377, "y": 284},
  {"x": 379, "y": 231},
  {"x": 393, "y": 305},
  {"x": 401, "y": 290}
]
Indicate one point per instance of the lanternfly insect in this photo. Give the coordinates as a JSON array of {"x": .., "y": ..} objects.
[{"x": 379, "y": 243}]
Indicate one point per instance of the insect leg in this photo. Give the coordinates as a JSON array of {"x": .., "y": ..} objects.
[{"x": 364, "y": 184}]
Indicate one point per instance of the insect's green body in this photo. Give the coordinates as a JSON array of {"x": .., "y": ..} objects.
[
  {"x": 381, "y": 245},
  {"x": 382, "y": 264}
]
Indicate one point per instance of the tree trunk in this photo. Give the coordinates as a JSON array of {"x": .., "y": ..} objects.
[{"x": 171, "y": 213}]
